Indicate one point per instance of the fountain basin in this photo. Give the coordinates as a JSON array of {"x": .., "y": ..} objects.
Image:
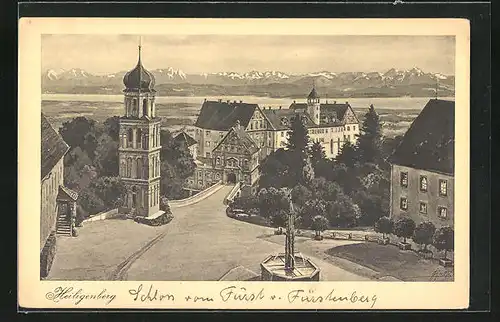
[{"x": 273, "y": 269}]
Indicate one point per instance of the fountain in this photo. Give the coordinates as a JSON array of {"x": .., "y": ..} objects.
[{"x": 290, "y": 265}]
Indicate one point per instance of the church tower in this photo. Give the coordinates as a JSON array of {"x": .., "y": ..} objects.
[
  {"x": 139, "y": 150},
  {"x": 313, "y": 105}
]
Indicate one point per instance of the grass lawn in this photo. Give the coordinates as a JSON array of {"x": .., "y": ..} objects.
[{"x": 390, "y": 260}]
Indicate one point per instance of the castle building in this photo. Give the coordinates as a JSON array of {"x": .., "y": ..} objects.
[
  {"x": 139, "y": 149},
  {"x": 330, "y": 124},
  {"x": 58, "y": 203},
  {"x": 422, "y": 167}
]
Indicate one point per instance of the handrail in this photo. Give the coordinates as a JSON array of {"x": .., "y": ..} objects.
[
  {"x": 195, "y": 198},
  {"x": 230, "y": 196}
]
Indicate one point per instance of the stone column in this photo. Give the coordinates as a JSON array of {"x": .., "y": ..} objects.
[{"x": 134, "y": 138}]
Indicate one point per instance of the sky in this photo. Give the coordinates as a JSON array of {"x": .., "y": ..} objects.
[{"x": 197, "y": 54}]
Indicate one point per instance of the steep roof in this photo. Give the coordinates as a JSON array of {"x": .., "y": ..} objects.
[
  {"x": 429, "y": 143},
  {"x": 243, "y": 138},
  {"x": 281, "y": 119},
  {"x": 313, "y": 93},
  {"x": 184, "y": 137},
  {"x": 66, "y": 194},
  {"x": 53, "y": 147},
  {"x": 221, "y": 116},
  {"x": 334, "y": 113}
]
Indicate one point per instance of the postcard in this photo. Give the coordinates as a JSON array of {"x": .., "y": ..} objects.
[{"x": 243, "y": 163}]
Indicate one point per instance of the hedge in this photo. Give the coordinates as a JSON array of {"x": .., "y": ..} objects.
[
  {"x": 47, "y": 255},
  {"x": 158, "y": 221}
]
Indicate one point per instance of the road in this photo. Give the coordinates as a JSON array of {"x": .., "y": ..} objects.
[{"x": 202, "y": 243}]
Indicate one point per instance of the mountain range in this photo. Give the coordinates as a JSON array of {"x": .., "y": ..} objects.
[{"x": 171, "y": 81}]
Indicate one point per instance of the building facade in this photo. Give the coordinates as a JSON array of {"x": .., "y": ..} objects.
[
  {"x": 139, "y": 149},
  {"x": 422, "y": 167},
  {"x": 330, "y": 124}
]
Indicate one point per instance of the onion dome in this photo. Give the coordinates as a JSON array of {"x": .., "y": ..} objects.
[
  {"x": 139, "y": 79},
  {"x": 313, "y": 94}
]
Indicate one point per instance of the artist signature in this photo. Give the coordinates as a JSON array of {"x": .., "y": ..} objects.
[{"x": 441, "y": 274}]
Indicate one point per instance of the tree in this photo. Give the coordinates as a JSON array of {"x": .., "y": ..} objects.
[
  {"x": 319, "y": 224},
  {"x": 318, "y": 159},
  {"x": 110, "y": 190},
  {"x": 271, "y": 201},
  {"x": 348, "y": 155},
  {"x": 312, "y": 208},
  {"x": 279, "y": 218},
  {"x": 274, "y": 170},
  {"x": 298, "y": 142},
  {"x": 423, "y": 234},
  {"x": 74, "y": 132},
  {"x": 246, "y": 203},
  {"x": 369, "y": 141},
  {"x": 112, "y": 127},
  {"x": 443, "y": 239},
  {"x": 343, "y": 212},
  {"x": 106, "y": 156},
  {"x": 301, "y": 194},
  {"x": 90, "y": 202},
  {"x": 384, "y": 225},
  {"x": 404, "y": 228}
]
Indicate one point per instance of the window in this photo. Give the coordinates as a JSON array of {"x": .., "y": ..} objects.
[
  {"x": 354, "y": 127},
  {"x": 282, "y": 134},
  {"x": 443, "y": 187},
  {"x": 217, "y": 161},
  {"x": 404, "y": 179},
  {"x": 442, "y": 212},
  {"x": 423, "y": 183},
  {"x": 208, "y": 143},
  {"x": 423, "y": 207},
  {"x": 251, "y": 126},
  {"x": 208, "y": 154},
  {"x": 348, "y": 128},
  {"x": 403, "y": 203},
  {"x": 207, "y": 132}
]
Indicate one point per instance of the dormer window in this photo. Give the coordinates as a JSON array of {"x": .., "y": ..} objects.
[{"x": 284, "y": 121}]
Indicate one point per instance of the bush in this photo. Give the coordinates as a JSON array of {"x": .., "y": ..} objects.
[
  {"x": 81, "y": 215},
  {"x": 74, "y": 233},
  {"x": 423, "y": 234},
  {"x": 164, "y": 206},
  {"x": 319, "y": 224},
  {"x": 47, "y": 255},
  {"x": 90, "y": 202},
  {"x": 443, "y": 239},
  {"x": 384, "y": 225},
  {"x": 404, "y": 227},
  {"x": 158, "y": 221}
]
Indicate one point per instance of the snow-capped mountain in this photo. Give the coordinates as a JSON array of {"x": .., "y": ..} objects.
[{"x": 413, "y": 78}]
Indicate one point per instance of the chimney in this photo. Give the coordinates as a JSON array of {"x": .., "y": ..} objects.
[
  {"x": 280, "y": 107},
  {"x": 269, "y": 107},
  {"x": 293, "y": 101},
  {"x": 220, "y": 100},
  {"x": 237, "y": 125},
  {"x": 205, "y": 100},
  {"x": 234, "y": 102},
  {"x": 334, "y": 102},
  {"x": 326, "y": 101},
  {"x": 241, "y": 101},
  {"x": 228, "y": 101}
]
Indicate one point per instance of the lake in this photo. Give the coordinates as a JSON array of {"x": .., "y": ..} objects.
[{"x": 176, "y": 111}]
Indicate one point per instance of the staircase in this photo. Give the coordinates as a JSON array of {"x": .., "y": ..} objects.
[{"x": 63, "y": 225}]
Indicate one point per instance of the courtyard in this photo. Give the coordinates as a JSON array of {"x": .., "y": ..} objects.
[{"x": 202, "y": 243}]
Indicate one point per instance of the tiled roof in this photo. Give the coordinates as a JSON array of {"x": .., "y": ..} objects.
[
  {"x": 429, "y": 143},
  {"x": 65, "y": 193},
  {"x": 221, "y": 116},
  {"x": 183, "y": 136},
  {"x": 334, "y": 113},
  {"x": 281, "y": 119},
  {"x": 53, "y": 147},
  {"x": 243, "y": 138}
]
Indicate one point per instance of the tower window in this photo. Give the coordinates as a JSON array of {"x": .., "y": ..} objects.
[
  {"x": 423, "y": 208},
  {"x": 403, "y": 203},
  {"x": 443, "y": 188},
  {"x": 144, "y": 107},
  {"x": 442, "y": 212},
  {"x": 404, "y": 179},
  {"x": 423, "y": 183}
]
